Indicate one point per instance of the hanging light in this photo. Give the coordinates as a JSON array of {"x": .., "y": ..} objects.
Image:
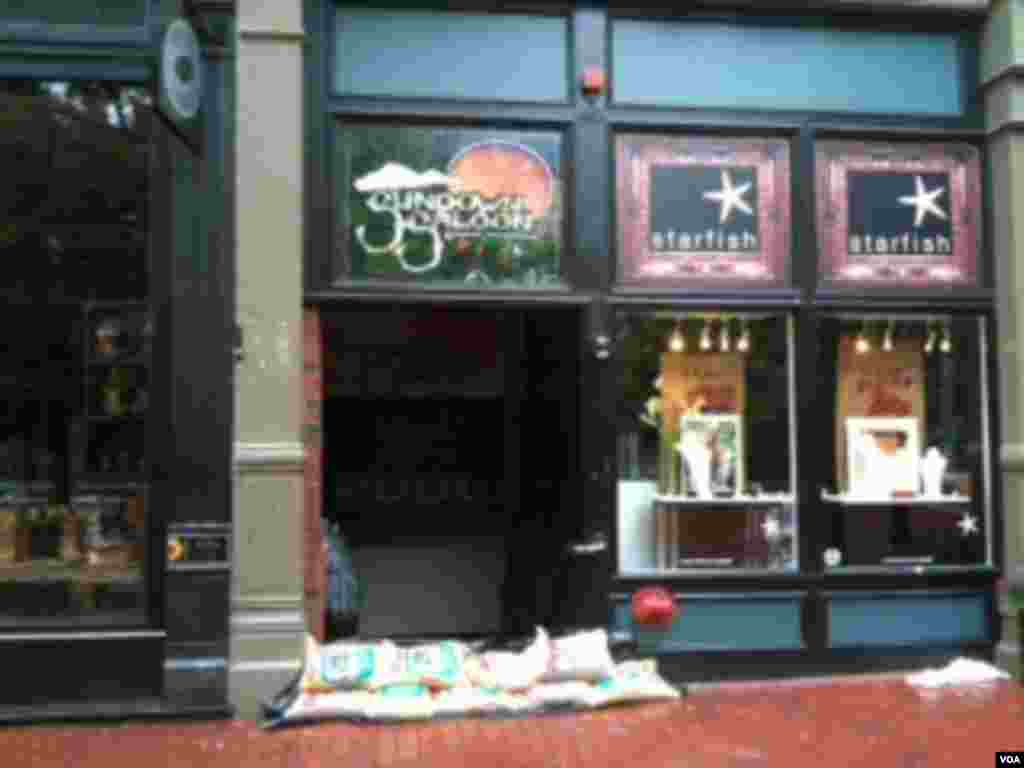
[
  {"x": 862, "y": 345},
  {"x": 676, "y": 342},
  {"x": 929, "y": 344},
  {"x": 887, "y": 338},
  {"x": 724, "y": 338},
  {"x": 743, "y": 345},
  {"x": 705, "y": 336},
  {"x": 946, "y": 345}
]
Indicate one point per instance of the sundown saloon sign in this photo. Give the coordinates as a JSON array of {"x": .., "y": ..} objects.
[
  {"x": 452, "y": 207},
  {"x": 695, "y": 211},
  {"x": 898, "y": 214}
]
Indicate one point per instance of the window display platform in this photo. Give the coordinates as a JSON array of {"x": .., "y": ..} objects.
[{"x": 670, "y": 536}]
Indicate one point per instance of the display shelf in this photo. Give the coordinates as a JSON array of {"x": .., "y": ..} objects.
[
  {"x": 762, "y": 500},
  {"x": 55, "y": 570},
  {"x": 853, "y": 500}
]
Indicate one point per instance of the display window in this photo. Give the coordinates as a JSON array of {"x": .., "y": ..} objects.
[
  {"x": 909, "y": 443},
  {"x": 706, "y": 476},
  {"x": 77, "y": 332}
]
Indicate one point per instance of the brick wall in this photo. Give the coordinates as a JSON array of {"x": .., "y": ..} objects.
[{"x": 315, "y": 564}]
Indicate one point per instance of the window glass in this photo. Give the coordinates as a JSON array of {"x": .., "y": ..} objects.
[
  {"x": 908, "y": 443},
  {"x": 438, "y": 54},
  {"x": 450, "y": 206},
  {"x": 76, "y": 332},
  {"x": 104, "y": 13},
  {"x": 706, "y": 477},
  {"x": 769, "y": 66}
]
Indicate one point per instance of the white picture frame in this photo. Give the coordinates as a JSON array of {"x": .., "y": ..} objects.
[
  {"x": 883, "y": 456},
  {"x": 723, "y": 434}
]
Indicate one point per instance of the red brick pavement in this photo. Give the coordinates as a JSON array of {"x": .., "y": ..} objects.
[{"x": 870, "y": 722}]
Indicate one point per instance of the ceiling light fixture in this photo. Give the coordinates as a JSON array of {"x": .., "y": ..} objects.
[
  {"x": 676, "y": 342},
  {"x": 705, "y": 337}
]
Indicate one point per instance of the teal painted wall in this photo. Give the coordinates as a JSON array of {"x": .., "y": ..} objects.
[
  {"x": 874, "y": 619},
  {"x": 720, "y": 622}
]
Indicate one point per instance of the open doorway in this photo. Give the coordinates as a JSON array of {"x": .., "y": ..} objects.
[{"x": 451, "y": 464}]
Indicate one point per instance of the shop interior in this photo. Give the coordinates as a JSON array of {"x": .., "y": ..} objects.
[{"x": 450, "y": 464}]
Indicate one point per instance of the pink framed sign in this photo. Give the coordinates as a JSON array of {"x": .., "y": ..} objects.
[
  {"x": 898, "y": 214},
  {"x": 702, "y": 212}
]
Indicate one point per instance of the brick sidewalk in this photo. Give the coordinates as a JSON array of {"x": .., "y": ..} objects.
[{"x": 870, "y": 722}]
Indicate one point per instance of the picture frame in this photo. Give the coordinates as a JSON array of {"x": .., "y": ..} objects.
[
  {"x": 883, "y": 456},
  {"x": 723, "y": 434}
]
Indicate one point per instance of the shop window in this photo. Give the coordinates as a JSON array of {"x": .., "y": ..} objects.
[
  {"x": 102, "y": 13},
  {"x": 909, "y": 441},
  {"x": 449, "y": 207},
  {"x": 705, "y": 443},
  {"x": 439, "y": 54},
  {"x": 76, "y": 333},
  {"x": 769, "y": 66}
]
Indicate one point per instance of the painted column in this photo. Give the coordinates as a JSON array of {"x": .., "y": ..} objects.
[
  {"x": 267, "y": 621},
  {"x": 1003, "y": 89}
]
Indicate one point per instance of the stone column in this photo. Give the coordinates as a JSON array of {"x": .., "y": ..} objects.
[
  {"x": 267, "y": 621},
  {"x": 1003, "y": 90}
]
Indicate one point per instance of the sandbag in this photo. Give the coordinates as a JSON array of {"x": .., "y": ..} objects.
[
  {"x": 348, "y": 665},
  {"x": 583, "y": 656},
  {"x": 435, "y": 665},
  {"x": 632, "y": 681},
  {"x": 509, "y": 671}
]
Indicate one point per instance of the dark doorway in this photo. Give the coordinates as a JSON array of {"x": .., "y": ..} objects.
[{"x": 451, "y": 463}]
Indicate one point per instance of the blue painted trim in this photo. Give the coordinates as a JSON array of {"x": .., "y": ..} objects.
[
  {"x": 907, "y": 618},
  {"x": 721, "y": 622}
]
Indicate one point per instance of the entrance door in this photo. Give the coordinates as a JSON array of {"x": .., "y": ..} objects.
[
  {"x": 562, "y": 548},
  {"x": 452, "y": 461}
]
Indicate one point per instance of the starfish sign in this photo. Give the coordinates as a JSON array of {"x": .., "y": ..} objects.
[
  {"x": 923, "y": 201},
  {"x": 968, "y": 524},
  {"x": 729, "y": 197}
]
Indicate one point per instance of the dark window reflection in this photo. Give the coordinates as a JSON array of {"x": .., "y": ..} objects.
[{"x": 75, "y": 327}]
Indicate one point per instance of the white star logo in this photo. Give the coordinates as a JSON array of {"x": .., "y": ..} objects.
[
  {"x": 923, "y": 201},
  {"x": 729, "y": 197},
  {"x": 968, "y": 524}
]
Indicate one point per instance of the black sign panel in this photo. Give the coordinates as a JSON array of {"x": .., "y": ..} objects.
[
  {"x": 899, "y": 213},
  {"x": 703, "y": 208}
]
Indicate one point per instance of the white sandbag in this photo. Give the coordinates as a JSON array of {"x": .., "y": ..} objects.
[
  {"x": 632, "y": 681},
  {"x": 347, "y": 665},
  {"x": 401, "y": 702},
  {"x": 572, "y": 692},
  {"x": 508, "y": 671},
  {"x": 958, "y": 672},
  {"x": 581, "y": 656},
  {"x": 309, "y": 706},
  {"x": 462, "y": 701},
  {"x": 436, "y": 665}
]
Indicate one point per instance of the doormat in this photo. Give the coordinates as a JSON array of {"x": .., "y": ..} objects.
[{"x": 383, "y": 682}]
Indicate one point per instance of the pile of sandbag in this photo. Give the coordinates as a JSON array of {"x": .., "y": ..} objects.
[{"x": 382, "y": 681}]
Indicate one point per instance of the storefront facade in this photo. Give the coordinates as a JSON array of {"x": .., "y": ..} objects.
[{"x": 723, "y": 302}]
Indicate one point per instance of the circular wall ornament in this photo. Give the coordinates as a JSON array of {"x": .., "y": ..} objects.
[{"x": 180, "y": 70}]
